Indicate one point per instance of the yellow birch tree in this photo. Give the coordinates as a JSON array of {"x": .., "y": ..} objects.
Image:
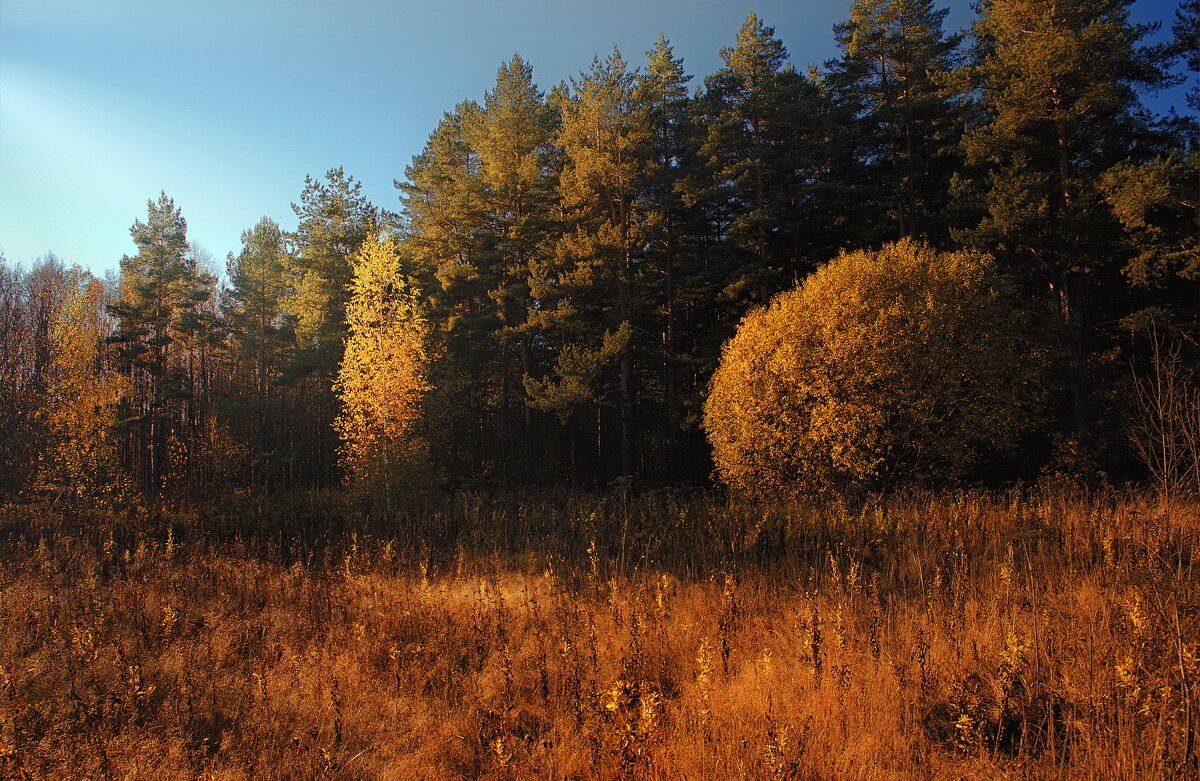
[
  {"x": 383, "y": 377},
  {"x": 80, "y": 460}
]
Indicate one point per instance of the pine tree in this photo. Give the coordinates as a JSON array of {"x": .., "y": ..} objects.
[
  {"x": 448, "y": 238},
  {"x": 1058, "y": 107},
  {"x": 1157, "y": 201},
  {"x": 669, "y": 221},
  {"x": 159, "y": 315},
  {"x": 479, "y": 209},
  {"x": 1186, "y": 28},
  {"x": 892, "y": 78},
  {"x": 1187, "y": 46},
  {"x": 769, "y": 156},
  {"x": 335, "y": 218},
  {"x": 517, "y": 158},
  {"x": 262, "y": 335},
  {"x": 744, "y": 145},
  {"x": 589, "y": 294}
]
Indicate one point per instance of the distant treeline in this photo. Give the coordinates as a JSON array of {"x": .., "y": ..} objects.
[{"x": 568, "y": 264}]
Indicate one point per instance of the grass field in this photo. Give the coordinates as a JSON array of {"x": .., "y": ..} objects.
[{"x": 579, "y": 636}]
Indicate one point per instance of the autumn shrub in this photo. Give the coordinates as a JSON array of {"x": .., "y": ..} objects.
[{"x": 900, "y": 366}]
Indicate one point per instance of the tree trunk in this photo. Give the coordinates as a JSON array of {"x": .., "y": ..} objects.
[
  {"x": 669, "y": 383},
  {"x": 526, "y": 411},
  {"x": 626, "y": 373},
  {"x": 1070, "y": 308}
]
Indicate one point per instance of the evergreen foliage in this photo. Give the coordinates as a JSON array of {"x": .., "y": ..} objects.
[{"x": 160, "y": 324}]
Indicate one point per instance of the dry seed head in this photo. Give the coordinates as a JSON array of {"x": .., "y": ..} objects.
[
  {"x": 839, "y": 634},
  {"x": 506, "y": 669},
  {"x": 614, "y": 697},
  {"x": 426, "y": 594},
  {"x": 1015, "y": 646},
  {"x": 766, "y": 663},
  {"x": 1012, "y": 659},
  {"x": 650, "y": 703},
  {"x": 83, "y": 643},
  {"x": 351, "y": 554},
  {"x": 964, "y": 731},
  {"x": 1191, "y": 660},
  {"x": 503, "y": 755},
  {"x": 1136, "y": 614},
  {"x": 815, "y": 640},
  {"x": 134, "y": 683},
  {"x": 169, "y": 619},
  {"x": 1126, "y": 672},
  {"x": 704, "y": 670},
  {"x": 775, "y": 751}
]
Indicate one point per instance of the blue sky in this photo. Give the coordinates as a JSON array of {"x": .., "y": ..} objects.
[{"x": 227, "y": 104}]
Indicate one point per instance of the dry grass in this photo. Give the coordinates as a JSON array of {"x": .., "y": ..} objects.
[{"x": 951, "y": 638}]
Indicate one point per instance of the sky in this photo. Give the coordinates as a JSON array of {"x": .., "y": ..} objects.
[{"x": 227, "y": 104}]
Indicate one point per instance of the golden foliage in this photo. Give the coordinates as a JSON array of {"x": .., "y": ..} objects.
[
  {"x": 81, "y": 400},
  {"x": 899, "y": 365},
  {"x": 383, "y": 378}
]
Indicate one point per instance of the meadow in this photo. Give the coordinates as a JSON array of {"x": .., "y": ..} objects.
[{"x": 670, "y": 636}]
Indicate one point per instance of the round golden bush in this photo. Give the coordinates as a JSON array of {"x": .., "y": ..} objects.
[{"x": 899, "y": 366}]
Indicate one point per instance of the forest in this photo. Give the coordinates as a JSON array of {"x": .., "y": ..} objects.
[
  {"x": 840, "y": 422},
  {"x": 567, "y": 265}
]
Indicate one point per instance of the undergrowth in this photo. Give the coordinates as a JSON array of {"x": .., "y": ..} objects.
[{"x": 583, "y": 636}]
